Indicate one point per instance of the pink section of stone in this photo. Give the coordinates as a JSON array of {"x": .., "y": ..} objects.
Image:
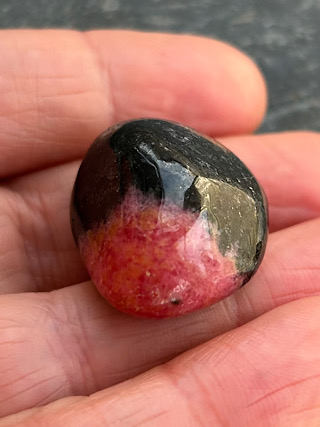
[{"x": 157, "y": 260}]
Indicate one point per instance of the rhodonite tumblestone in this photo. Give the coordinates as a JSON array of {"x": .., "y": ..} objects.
[{"x": 166, "y": 221}]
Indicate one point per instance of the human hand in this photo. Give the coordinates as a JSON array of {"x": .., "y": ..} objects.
[{"x": 252, "y": 359}]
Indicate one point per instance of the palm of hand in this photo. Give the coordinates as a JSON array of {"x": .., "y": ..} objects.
[{"x": 57, "y": 340}]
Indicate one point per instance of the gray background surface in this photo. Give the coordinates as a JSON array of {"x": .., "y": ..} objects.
[{"x": 281, "y": 35}]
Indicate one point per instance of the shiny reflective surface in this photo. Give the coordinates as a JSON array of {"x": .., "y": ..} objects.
[{"x": 166, "y": 221}]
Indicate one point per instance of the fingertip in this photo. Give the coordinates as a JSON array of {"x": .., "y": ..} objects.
[
  {"x": 204, "y": 83},
  {"x": 232, "y": 91},
  {"x": 251, "y": 91},
  {"x": 241, "y": 88}
]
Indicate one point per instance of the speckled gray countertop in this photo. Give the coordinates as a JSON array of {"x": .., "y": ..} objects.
[{"x": 281, "y": 35}]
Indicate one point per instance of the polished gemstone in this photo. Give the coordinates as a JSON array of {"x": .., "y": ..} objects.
[{"x": 166, "y": 220}]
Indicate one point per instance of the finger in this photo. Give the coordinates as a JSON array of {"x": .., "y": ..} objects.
[
  {"x": 41, "y": 203},
  {"x": 250, "y": 376},
  {"x": 60, "y": 89},
  {"x": 71, "y": 342}
]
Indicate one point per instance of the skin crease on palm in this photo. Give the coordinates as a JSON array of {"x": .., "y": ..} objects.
[{"x": 69, "y": 359}]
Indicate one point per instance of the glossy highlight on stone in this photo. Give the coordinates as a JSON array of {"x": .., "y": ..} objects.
[{"x": 167, "y": 221}]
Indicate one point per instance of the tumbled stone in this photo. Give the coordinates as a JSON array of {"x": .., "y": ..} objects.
[{"x": 167, "y": 221}]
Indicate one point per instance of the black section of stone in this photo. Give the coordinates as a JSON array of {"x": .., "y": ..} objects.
[
  {"x": 192, "y": 199},
  {"x": 169, "y": 142},
  {"x": 154, "y": 156},
  {"x": 247, "y": 276},
  {"x": 145, "y": 142},
  {"x": 141, "y": 170},
  {"x": 97, "y": 187}
]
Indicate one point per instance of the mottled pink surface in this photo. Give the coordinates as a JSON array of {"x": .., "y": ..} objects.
[{"x": 157, "y": 261}]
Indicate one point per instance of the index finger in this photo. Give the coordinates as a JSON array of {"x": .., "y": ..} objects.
[{"x": 59, "y": 89}]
